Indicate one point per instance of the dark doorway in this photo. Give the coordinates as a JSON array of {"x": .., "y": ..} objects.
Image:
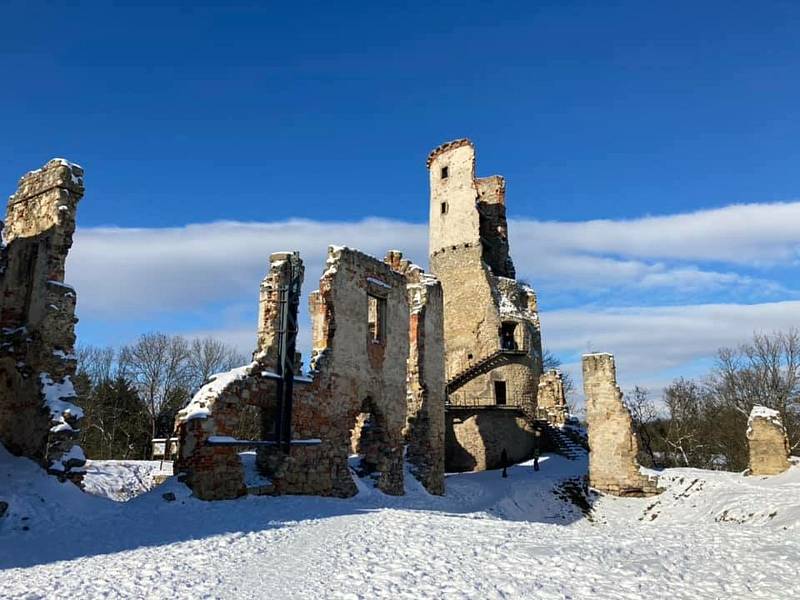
[
  {"x": 507, "y": 341},
  {"x": 500, "y": 392}
]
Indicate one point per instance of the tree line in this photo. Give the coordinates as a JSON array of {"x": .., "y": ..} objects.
[
  {"x": 131, "y": 395},
  {"x": 702, "y": 422}
]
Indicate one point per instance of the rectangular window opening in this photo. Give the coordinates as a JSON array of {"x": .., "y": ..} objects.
[
  {"x": 445, "y": 172},
  {"x": 444, "y": 208},
  {"x": 376, "y": 318},
  {"x": 500, "y": 393}
]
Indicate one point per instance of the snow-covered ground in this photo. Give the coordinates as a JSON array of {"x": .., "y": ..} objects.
[
  {"x": 124, "y": 479},
  {"x": 710, "y": 535}
]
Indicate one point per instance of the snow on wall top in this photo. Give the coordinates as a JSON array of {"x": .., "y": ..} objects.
[
  {"x": 199, "y": 407},
  {"x": 763, "y": 412}
]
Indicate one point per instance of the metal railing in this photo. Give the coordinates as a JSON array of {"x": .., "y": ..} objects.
[{"x": 462, "y": 399}]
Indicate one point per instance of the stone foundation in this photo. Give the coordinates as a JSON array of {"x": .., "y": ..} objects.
[
  {"x": 613, "y": 447},
  {"x": 37, "y": 321},
  {"x": 476, "y": 438},
  {"x": 767, "y": 441}
]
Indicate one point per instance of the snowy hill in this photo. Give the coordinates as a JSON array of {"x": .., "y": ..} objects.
[{"x": 710, "y": 535}]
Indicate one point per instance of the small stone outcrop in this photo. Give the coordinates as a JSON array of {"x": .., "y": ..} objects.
[
  {"x": 613, "y": 467},
  {"x": 38, "y": 419},
  {"x": 768, "y": 443}
]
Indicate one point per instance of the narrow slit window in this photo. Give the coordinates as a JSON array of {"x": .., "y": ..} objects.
[
  {"x": 445, "y": 172},
  {"x": 444, "y": 208},
  {"x": 377, "y": 318}
]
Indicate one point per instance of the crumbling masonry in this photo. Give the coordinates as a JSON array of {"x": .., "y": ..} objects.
[
  {"x": 767, "y": 441},
  {"x": 37, "y": 321},
  {"x": 376, "y": 384},
  {"x": 551, "y": 399},
  {"x": 613, "y": 466},
  {"x": 491, "y": 323}
]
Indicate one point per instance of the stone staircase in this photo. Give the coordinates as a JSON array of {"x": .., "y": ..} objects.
[
  {"x": 564, "y": 441},
  {"x": 497, "y": 359}
]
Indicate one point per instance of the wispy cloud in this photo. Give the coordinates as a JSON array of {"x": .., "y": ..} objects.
[{"x": 726, "y": 272}]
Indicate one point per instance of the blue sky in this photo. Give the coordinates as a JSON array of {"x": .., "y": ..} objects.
[{"x": 187, "y": 115}]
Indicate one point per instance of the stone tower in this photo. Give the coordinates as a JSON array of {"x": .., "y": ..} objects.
[{"x": 491, "y": 322}]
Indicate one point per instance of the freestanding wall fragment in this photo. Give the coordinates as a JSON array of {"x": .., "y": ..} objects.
[
  {"x": 425, "y": 395},
  {"x": 613, "y": 447},
  {"x": 768, "y": 443},
  {"x": 37, "y": 320}
]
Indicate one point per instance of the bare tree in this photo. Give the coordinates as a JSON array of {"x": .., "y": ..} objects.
[
  {"x": 551, "y": 361},
  {"x": 644, "y": 415},
  {"x": 684, "y": 400},
  {"x": 158, "y": 367},
  {"x": 208, "y": 356},
  {"x": 96, "y": 362},
  {"x": 765, "y": 371}
]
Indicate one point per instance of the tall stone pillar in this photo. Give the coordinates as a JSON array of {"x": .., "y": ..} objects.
[
  {"x": 37, "y": 320},
  {"x": 613, "y": 447}
]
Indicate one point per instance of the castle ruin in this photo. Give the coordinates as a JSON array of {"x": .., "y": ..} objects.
[
  {"x": 376, "y": 385},
  {"x": 38, "y": 419},
  {"x": 492, "y": 341}
]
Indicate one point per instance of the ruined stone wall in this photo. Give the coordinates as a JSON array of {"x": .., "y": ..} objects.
[
  {"x": 613, "y": 467},
  {"x": 352, "y": 373},
  {"x": 216, "y": 472},
  {"x": 551, "y": 400},
  {"x": 426, "y": 396},
  {"x": 355, "y": 372},
  {"x": 37, "y": 320},
  {"x": 475, "y": 439},
  {"x": 767, "y": 441}
]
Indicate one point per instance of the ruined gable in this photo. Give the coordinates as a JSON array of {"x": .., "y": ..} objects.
[
  {"x": 613, "y": 466},
  {"x": 38, "y": 418}
]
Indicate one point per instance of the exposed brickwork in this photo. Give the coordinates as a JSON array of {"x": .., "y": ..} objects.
[
  {"x": 390, "y": 369},
  {"x": 37, "y": 320},
  {"x": 426, "y": 398},
  {"x": 613, "y": 467},
  {"x": 767, "y": 441}
]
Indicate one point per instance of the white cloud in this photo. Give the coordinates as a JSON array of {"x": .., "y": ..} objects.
[
  {"x": 178, "y": 273},
  {"x": 138, "y": 272},
  {"x": 649, "y": 341},
  {"x": 746, "y": 234}
]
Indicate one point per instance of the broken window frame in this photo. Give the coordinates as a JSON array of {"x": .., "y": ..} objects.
[{"x": 376, "y": 330}]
